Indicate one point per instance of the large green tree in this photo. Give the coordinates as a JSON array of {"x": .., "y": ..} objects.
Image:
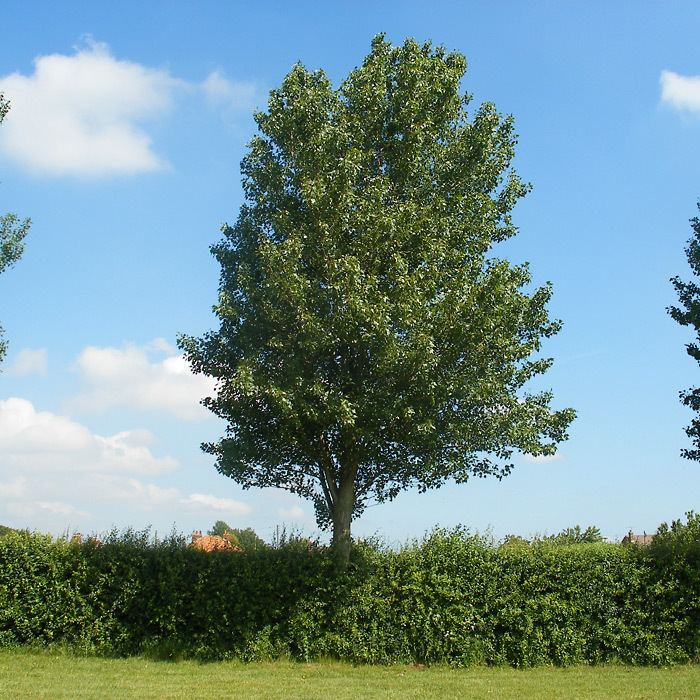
[
  {"x": 689, "y": 315},
  {"x": 12, "y": 233},
  {"x": 369, "y": 342},
  {"x": 247, "y": 538}
]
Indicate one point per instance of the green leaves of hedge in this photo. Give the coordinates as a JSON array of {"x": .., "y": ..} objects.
[{"x": 453, "y": 598}]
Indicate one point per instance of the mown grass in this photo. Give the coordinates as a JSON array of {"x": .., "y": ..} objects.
[{"x": 35, "y": 674}]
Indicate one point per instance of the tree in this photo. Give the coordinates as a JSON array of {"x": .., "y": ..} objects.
[
  {"x": 249, "y": 539},
  {"x": 12, "y": 233},
  {"x": 366, "y": 342},
  {"x": 570, "y": 535},
  {"x": 689, "y": 315},
  {"x": 246, "y": 538},
  {"x": 219, "y": 529},
  {"x": 576, "y": 535}
]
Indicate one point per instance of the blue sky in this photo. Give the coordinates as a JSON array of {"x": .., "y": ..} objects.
[{"x": 123, "y": 145}]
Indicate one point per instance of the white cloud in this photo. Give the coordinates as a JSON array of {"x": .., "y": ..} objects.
[
  {"x": 56, "y": 473},
  {"x": 27, "y": 362},
  {"x": 86, "y": 113},
  {"x": 148, "y": 496},
  {"x": 681, "y": 91},
  {"x": 129, "y": 376},
  {"x": 51, "y": 508},
  {"x": 293, "y": 513},
  {"x": 230, "y": 94},
  {"x": 222, "y": 505},
  {"x": 33, "y": 440},
  {"x": 82, "y": 114},
  {"x": 543, "y": 459},
  {"x": 134, "y": 492},
  {"x": 14, "y": 488},
  {"x": 162, "y": 345},
  {"x": 59, "y": 508}
]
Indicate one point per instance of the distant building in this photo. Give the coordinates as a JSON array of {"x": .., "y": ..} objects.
[
  {"x": 214, "y": 543},
  {"x": 631, "y": 538}
]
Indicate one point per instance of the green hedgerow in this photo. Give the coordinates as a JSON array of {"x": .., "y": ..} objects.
[{"x": 453, "y": 598}]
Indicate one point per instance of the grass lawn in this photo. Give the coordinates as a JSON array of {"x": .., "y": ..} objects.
[{"x": 25, "y": 674}]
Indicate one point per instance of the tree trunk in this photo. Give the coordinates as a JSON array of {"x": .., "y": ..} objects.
[{"x": 342, "y": 519}]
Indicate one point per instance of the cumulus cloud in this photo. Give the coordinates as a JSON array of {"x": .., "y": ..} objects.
[
  {"x": 28, "y": 509},
  {"x": 543, "y": 459},
  {"x": 34, "y": 440},
  {"x": 27, "y": 362},
  {"x": 83, "y": 113},
  {"x": 220, "y": 505},
  {"x": 14, "y": 488},
  {"x": 134, "y": 493},
  {"x": 56, "y": 473},
  {"x": 681, "y": 91},
  {"x": 147, "y": 496},
  {"x": 139, "y": 377},
  {"x": 87, "y": 113},
  {"x": 293, "y": 513},
  {"x": 230, "y": 94}
]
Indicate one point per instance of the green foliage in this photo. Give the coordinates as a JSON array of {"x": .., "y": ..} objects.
[
  {"x": 689, "y": 315},
  {"x": 219, "y": 528},
  {"x": 370, "y": 340},
  {"x": 570, "y": 535},
  {"x": 453, "y": 598},
  {"x": 247, "y": 539},
  {"x": 676, "y": 552},
  {"x": 576, "y": 535},
  {"x": 12, "y": 233}
]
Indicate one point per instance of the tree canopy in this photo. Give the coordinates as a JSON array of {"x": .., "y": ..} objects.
[
  {"x": 12, "y": 233},
  {"x": 369, "y": 341},
  {"x": 689, "y": 315},
  {"x": 247, "y": 538},
  {"x": 568, "y": 536},
  {"x": 577, "y": 535}
]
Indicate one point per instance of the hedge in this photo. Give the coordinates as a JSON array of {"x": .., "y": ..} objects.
[{"x": 453, "y": 598}]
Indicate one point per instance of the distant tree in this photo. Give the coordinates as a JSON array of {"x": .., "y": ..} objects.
[
  {"x": 680, "y": 535},
  {"x": 576, "y": 535},
  {"x": 219, "y": 528},
  {"x": 367, "y": 341},
  {"x": 247, "y": 538},
  {"x": 689, "y": 315},
  {"x": 12, "y": 233},
  {"x": 515, "y": 542},
  {"x": 570, "y": 535}
]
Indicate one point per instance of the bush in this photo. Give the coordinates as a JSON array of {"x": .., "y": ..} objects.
[
  {"x": 453, "y": 597},
  {"x": 675, "y": 552}
]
